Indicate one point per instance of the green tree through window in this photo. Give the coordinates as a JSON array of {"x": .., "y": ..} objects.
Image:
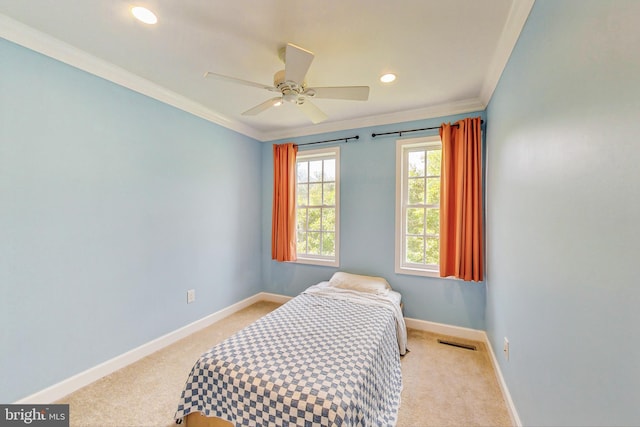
[
  {"x": 418, "y": 246},
  {"x": 317, "y": 177}
]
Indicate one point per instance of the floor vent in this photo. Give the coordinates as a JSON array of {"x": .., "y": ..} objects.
[{"x": 459, "y": 345}]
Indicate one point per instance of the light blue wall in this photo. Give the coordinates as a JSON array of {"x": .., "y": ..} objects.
[
  {"x": 367, "y": 230},
  {"x": 112, "y": 205},
  {"x": 563, "y": 223}
]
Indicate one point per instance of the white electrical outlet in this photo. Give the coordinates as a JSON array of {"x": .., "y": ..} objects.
[
  {"x": 505, "y": 348},
  {"x": 191, "y": 296}
]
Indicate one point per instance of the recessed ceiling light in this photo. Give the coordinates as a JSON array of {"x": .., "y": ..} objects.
[
  {"x": 144, "y": 15},
  {"x": 387, "y": 78}
]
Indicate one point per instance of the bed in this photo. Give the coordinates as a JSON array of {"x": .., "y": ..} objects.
[{"x": 329, "y": 356}]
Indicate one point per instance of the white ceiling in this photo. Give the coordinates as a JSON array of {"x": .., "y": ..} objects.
[{"x": 448, "y": 54}]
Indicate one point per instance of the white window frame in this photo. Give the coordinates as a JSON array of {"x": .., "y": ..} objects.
[
  {"x": 402, "y": 145},
  {"x": 323, "y": 153}
]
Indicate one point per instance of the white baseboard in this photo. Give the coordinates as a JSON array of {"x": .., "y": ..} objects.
[
  {"x": 71, "y": 384},
  {"x": 513, "y": 413},
  {"x": 266, "y": 296},
  {"x": 444, "y": 329},
  {"x": 474, "y": 335}
]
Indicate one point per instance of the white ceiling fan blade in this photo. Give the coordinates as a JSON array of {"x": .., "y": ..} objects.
[
  {"x": 312, "y": 112},
  {"x": 263, "y": 106},
  {"x": 355, "y": 93},
  {"x": 297, "y": 63},
  {"x": 239, "y": 81}
]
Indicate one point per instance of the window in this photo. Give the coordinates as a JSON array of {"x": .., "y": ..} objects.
[
  {"x": 317, "y": 206},
  {"x": 418, "y": 205}
]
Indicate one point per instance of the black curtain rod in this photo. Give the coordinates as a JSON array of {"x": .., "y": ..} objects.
[
  {"x": 400, "y": 132},
  {"x": 332, "y": 140}
]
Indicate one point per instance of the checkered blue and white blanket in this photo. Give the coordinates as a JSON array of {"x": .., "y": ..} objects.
[{"x": 315, "y": 361}]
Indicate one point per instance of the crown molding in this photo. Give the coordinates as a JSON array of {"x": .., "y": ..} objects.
[
  {"x": 30, "y": 38},
  {"x": 37, "y": 41},
  {"x": 516, "y": 19},
  {"x": 458, "y": 107}
]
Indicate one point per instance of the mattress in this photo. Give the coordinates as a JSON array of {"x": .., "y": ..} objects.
[{"x": 326, "y": 357}]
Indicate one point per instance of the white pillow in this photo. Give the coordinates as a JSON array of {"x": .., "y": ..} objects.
[{"x": 357, "y": 282}]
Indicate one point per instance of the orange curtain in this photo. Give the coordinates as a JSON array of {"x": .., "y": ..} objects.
[
  {"x": 461, "y": 240},
  {"x": 283, "y": 221}
]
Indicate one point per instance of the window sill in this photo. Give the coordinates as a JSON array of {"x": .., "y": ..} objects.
[
  {"x": 317, "y": 261},
  {"x": 418, "y": 272}
]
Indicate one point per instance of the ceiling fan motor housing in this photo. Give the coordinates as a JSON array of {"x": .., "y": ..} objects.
[{"x": 291, "y": 91}]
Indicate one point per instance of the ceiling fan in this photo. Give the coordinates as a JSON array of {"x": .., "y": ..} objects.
[{"x": 290, "y": 84}]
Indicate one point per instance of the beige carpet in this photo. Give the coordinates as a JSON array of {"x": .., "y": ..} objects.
[{"x": 443, "y": 386}]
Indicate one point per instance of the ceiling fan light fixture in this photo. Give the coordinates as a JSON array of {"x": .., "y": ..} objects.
[
  {"x": 290, "y": 96},
  {"x": 388, "y": 78},
  {"x": 144, "y": 15}
]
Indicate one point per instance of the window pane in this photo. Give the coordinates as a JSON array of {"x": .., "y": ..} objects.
[
  {"x": 329, "y": 194},
  {"x": 301, "y": 220},
  {"x": 328, "y": 244},
  {"x": 303, "y": 195},
  {"x": 433, "y": 248},
  {"x": 416, "y": 163},
  {"x": 316, "y": 206},
  {"x": 313, "y": 243},
  {"x": 301, "y": 243},
  {"x": 315, "y": 194},
  {"x": 419, "y": 199},
  {"x": 315, "y": 171},
  {"x": 314, "y": 219},
  {"x": 433, "y": 162},
  {"x": 433, "y": 221},
  {"x": 328, "y": 219},
  {"x": 330, "y": 170},
  {"x": 416, "y": 190},
  {"x": 415, "y": 249},
  {"x": 433, "y": 191},
  {"x": 303, "y": 172},
  {"x": 415, "y": 221}
]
